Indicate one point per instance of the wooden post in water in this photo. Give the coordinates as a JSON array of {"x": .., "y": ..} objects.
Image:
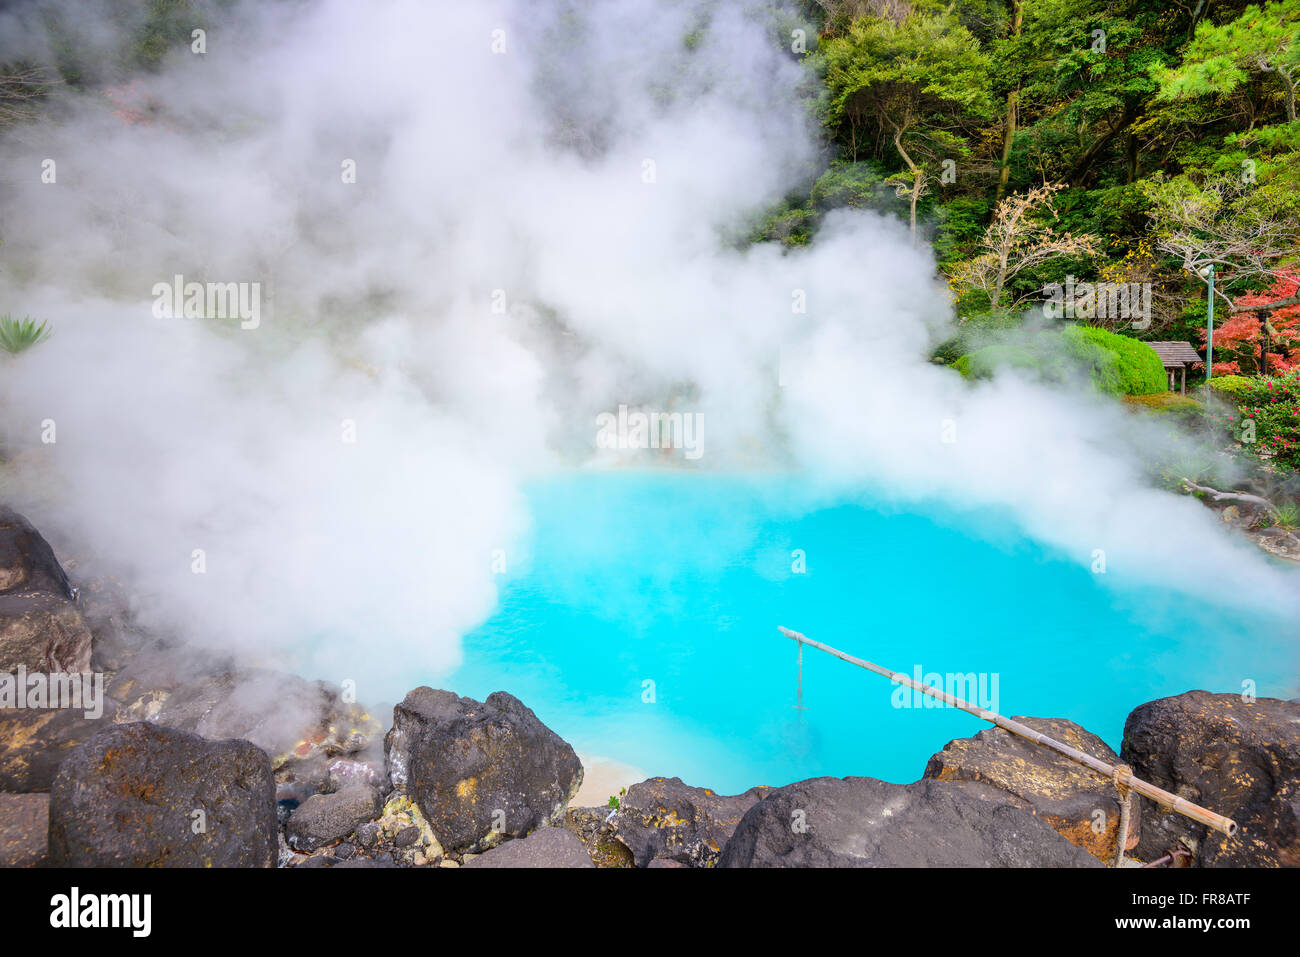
[
  {"x": 798, "y": 706},
  {"x": 1122, "y": 775}
]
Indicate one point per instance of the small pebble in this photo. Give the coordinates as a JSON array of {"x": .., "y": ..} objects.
[
  {"x": 407, "y": 836},
  {"x": 368, "y": 835}
]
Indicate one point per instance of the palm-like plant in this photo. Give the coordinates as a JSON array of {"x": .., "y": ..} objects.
[
  {"x": 18, "y": 335},
  {"x": 1288, "y": 516}
]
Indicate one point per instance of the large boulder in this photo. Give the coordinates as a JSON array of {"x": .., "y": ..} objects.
[
  {"x": 33, "y": 742},
  {"x": 549, "y": 847},
  {"x": 325, "y": 818},
  {"x": 480, "y": 772},
  {"x": 1235, "y": 758},
  {"x": 664, "y": 818},
  {"x": 317, "y": 739},
  {"x": 862, "y": 822},
  {"x": 41, "y": 628},
  {"x": 24, "y": 827},
  {"x": 138, "y": 795},
  {"x": 1078, "y": 803},
  {"x": 27, "y": 562}
]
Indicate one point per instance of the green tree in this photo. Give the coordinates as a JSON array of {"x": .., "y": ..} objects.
[
  {"x": 915, "y": 86},
  {"x": 1262, "y": 42}
]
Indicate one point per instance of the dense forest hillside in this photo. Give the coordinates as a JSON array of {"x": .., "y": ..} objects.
[
  {"x": 1165, "y": 135},
  {"x": 1123, "y": 142}
]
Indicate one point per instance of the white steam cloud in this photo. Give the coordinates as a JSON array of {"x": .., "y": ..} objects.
[{"x": 592, "y": 177}]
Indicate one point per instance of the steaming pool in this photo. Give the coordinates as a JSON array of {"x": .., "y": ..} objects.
[{"x": 641, "y": 626}]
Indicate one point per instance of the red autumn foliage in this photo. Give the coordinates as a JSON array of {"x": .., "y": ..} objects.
[
  {"x": 131, "y": 104},
  {"x": 1238, "y": 340}
]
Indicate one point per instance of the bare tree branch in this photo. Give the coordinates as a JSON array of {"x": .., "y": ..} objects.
[{"x": 1017, "y": 240}]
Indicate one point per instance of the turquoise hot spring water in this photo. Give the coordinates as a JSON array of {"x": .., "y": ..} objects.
[{"x": 639, "y": 620}]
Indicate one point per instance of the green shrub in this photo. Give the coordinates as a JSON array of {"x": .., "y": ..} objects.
[
  {"x": 1200, "y": 462},
  {"x": 982, "y": 363},
  {"x": 1288, "y": 515},
  {"x": 1268, "y": 409},
  {"x": 1118, "y": 364},
  {"x": 18, "y": 335},
  {"x": 951, "y": 350},
  {"x": 1230, "y": 386}
]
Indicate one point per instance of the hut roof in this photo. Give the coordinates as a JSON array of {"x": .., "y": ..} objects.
[{"x": 1175, "y": 355}]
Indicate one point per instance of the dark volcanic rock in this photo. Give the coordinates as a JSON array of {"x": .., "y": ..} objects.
[
  {"x": 24, "y": 826},
  {"x": 290, "y": 718},
  {"x": 480, "y": 772},
  {"x": 105, "y": 606},
  {"x": 128, "y": 797},
  {"x": 343, "y": 773},
  {"x": 33, "y": 741},
  {"x": 1062, "y": 792},
  {"x": 1237, "y": 759},
  {"x": 1281, "y": 542},
  {"x": 367, "y": 862},
  {"x": 862, "y": 822},
  {"x": 42, "y": 633},
  {"x": 548, "y": 847},
  {"x": 325, "y": 818},
  {"x": 27, "y": 562},
  {"x": 317, "y": 740},
  {"x": 664, "y": 818},
  {"x": 422, "y": 709},
  {"x": 147, "y": 680},
  {"x": 40, "y": 626},
  {"x": 368, "y": 835},
  {"x": 590, "y": 825}
]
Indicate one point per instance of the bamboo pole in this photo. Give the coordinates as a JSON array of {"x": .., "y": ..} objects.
[{"x": 1121, "y": 775}]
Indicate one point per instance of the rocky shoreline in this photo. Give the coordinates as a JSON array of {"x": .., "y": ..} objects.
[{"x": 198, "y": 762}]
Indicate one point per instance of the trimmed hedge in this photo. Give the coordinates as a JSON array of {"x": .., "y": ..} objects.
[
  {"x": 982, "y": 363},
  {"x": 1116, "y": 364},
  {"x": 1120, "y": 365},
  {"x": 1231, "y": 386}
]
